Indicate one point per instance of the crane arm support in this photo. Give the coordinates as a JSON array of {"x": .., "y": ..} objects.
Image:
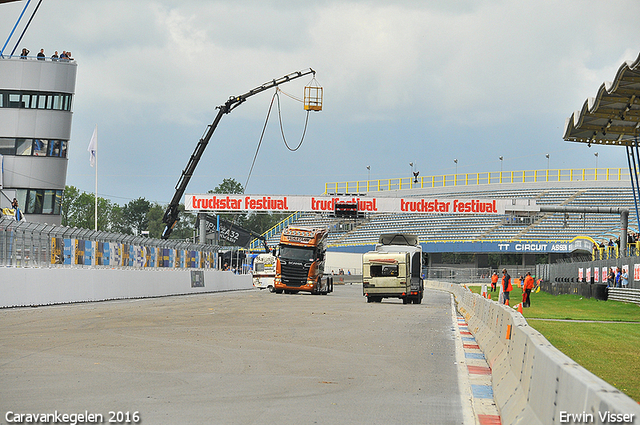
[{"x": 170, "y": 217}]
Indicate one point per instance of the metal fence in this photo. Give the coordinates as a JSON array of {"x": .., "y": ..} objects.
[
  {"x": 26, "y": 244},
  {"x": 473, "y": 274}
]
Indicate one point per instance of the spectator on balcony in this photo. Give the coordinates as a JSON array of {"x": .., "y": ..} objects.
[
  {"x": 625, "y": 278},
  {"x": 41, "y": 55},
  {"x": 24, "y": 53},
  {"x": 610, "y": 278},
  {"x": 54, "y": 57}
]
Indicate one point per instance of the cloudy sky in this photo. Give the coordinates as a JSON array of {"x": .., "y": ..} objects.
[{"x": 422, "y": 82}]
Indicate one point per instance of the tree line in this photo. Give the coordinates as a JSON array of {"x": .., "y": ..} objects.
[{"x": 140, "y": 215}]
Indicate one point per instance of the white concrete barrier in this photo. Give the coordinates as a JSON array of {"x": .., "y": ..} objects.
[
  {"x": 533, "y": 382},
  {"x": 44, "y": 286}
]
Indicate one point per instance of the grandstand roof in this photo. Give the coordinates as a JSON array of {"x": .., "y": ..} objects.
[{"x": 613, "y": 116}]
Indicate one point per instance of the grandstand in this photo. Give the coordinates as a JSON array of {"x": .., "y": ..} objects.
[{"x": 485, "y": 233}]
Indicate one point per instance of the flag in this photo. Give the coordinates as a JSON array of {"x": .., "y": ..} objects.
[{"x": 93, "y": 147}]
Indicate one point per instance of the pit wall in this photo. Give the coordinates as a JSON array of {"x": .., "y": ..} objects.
[
  {"x": 533, "y": 382},
  {"x": 44, "y": 286}
]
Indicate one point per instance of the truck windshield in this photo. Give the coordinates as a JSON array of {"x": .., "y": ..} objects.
[{"x": 296, "y": 253}]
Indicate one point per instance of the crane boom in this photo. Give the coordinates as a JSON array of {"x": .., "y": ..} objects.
[{"x": 170, "y": 217}]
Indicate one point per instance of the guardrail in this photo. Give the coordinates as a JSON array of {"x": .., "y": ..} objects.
[
  {"x": 477, "y": 179},
  {"x": 533, "y": 382}
]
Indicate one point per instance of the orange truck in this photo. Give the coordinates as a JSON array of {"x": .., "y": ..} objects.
[{"x": 300, "y": 261}]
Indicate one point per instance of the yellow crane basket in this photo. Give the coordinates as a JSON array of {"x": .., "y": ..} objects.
[{"x": 313, "y": 96}]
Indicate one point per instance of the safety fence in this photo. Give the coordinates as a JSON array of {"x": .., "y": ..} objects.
[
  {"x": 533, "y": 382},
  {"x": 476, "y": 179},
  {"x": 591, "y": 272},
  {"x": 26, "y": 244},
  {"x": 473, "y": 274}
]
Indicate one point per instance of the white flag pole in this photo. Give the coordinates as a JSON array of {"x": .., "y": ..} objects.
[
  {"x": 93, "y": 160},
  {"x": 96, "y": 197}
]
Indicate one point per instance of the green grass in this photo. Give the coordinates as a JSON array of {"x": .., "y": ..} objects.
[{"x": 608, "y": 350}]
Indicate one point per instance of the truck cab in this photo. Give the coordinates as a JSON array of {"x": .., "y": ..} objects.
[
  {"x": 300, "y": 261},
  {"x": 393, "y": 269}
]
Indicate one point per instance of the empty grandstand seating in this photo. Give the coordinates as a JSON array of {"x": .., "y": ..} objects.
[{"x": 478, "y": 227}]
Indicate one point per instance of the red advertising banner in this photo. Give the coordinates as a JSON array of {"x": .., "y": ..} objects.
[{"x": 291, "y": 203}]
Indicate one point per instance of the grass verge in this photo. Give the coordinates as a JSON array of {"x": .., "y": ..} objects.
[{"x": 608, "y": 350}]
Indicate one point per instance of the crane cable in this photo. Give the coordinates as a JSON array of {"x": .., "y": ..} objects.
[
  {"x": 306, "y": 121},
  {"x": 255, "y": 156}
]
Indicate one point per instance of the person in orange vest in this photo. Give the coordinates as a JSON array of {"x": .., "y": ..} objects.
[
  {"x": 528, "y": 287},
  {"x": 494, "y": 281},
  {"x": 506, "y": 286}
]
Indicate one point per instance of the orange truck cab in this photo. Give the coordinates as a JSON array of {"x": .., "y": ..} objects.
[{"x": 300, "y": 261}]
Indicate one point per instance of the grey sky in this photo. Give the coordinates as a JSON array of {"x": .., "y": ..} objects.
[{"x": 404, "y": 81}]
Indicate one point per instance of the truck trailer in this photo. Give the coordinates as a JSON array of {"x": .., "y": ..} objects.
[
  {"x": 393, "y": 269},
  {"x": 264, "y": 271}
]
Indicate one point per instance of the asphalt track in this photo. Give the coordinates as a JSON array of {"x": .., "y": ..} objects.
[{"x": 247, "y": 357}]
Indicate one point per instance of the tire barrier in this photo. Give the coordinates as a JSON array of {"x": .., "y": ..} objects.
[
  {"x": 627, "y": 295},
  {"x": 533, "y": 382},
  {"x": 586, "y": 290}
]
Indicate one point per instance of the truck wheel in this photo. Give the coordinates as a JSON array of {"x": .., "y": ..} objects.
[
  {"x": 271, "y": 288},
  {"x": 417, "y": 300},
  {"x": 278, "y": 291},
  {"x": 406, "y": 300}
]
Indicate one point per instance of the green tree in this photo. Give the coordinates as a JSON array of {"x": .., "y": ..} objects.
[
  {"x": 183, "y": 229},
  {"x": 118, "y": 223},
  {"x": 154, "y": 218},
  {"x": 78, "y": 210},
  {"x": 135, "y": 214},
  {"x": 69, "y": 197},
  {"x": 229, "y": 186},
  {"x": 104, "y": 211},
  {"x": 186, "y": 225}
]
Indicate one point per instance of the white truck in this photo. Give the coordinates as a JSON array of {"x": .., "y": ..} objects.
[
  {"x": 264, "y": 271},
  {"x": 394, "y": 269}
]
